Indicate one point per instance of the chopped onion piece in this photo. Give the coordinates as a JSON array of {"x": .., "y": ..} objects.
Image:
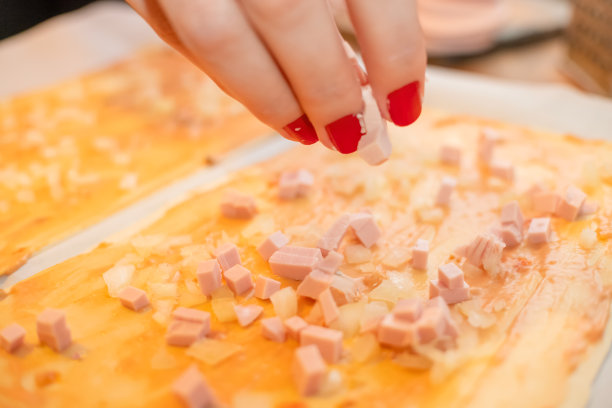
[
  {"x": 224, "y": 310},
  {"x": 163, "y": 290},
  {"x": 372, "y": 311},
  {"x": 349, "y": 319},
  {"x": 364, "y": 348},
  {"x": 356, "y": 254},
  {"x": 163, "y": 310},
  {"x": 332, "y": 383},
  {"x": 397, "y": 256},
  {"x": 117, "y": 278},
  {"x": 588, "y": 238}
]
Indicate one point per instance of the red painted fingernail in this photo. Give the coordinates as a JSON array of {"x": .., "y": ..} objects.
[
  {"x": 346, "y": 132},
  {"x": 302, "y": 130},
  {"x": 405, "y": 104}
]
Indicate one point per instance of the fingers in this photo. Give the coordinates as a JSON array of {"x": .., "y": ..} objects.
[
  {"x": 304, "y": 40},
  {"x": 393, "y": 50},
  {"x": 219, "y": 39},
  {"x": 153, "y": 14}
]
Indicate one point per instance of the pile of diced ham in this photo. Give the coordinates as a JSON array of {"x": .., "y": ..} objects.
[{"x": 410, "y": 323}]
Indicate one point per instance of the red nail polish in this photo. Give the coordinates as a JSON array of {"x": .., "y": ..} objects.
[
  {"x": 303, "y": 130},
  {"x": 405, "y": 104},
  {"x": 346, "y": 132}
]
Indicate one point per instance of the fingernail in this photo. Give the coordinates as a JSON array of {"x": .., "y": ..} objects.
[
  {"x": 405, "y": 104},
  {"x": 302, "y": 130},
  {"x": 346, "y": 132}
]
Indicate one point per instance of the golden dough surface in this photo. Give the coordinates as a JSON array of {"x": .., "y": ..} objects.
[
  {"x": 79, "y": 151},
  {"x": 523, "y": 337}
]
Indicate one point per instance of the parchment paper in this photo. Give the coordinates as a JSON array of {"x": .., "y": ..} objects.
[{"x": 102, "y": 33}]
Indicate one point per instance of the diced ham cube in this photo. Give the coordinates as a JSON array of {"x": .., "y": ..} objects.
[
  {"x": 227, "y": 255},
  {"x": 485, "y": 251},
  {"x": 511, "y": 235},
  {"x": 545, "y": 202},
  {"x": 443, "y": 313},
  {"x": 238, "y": 205},
  {"x": 450, "y": 154},
  {"x": 502, "y": 169},
  {"x": 451, "y": 276},
  {"x": 331, "y": 262},
  {"x": 238, "y": 279},
  {"x": 374, "y": 147},
  {"x": 183, "y": 333},
  {"x": 272, "y": 244},
  {"x": 192, "y": 390},
  {"x": 570, "y": 204},
  {"x": 588, "y": 208},
  {"x": 395, "y": 332},
  {"x": 430, "y": 326},
  {"x": 511, "y": 214},
  {"x": 272, "y": 328},
  {"x": 209, "y": 276},
  {"x": 328, "y": 341},
  {"x": 294, "y": 325},
  {"x": 308, "y": 370},
  {"x": 266, "y": 287},
  {"x": 314, "y": 284},
  {"x": 539, "y": 231},
  {"x": 409, "y": 310},
  {"x": 446, "y": 189},
  {"x": 420, "y": 253},
  {"x": 247, "y": 314},
  {"x": 328, "y": 307},
  {"x": 330, "y": 241},
  {"x": 365, "y": 229},
  {"x": 486, "y": 144},
  {"x": 187, "y": 314},
  {"x": 53, "y": 330},
  {"x": 12, "y": 337},
  {"x": 345, "y": 289},
  {"x": 294, "y": 184},
  {"x": 450, "y": 296},
  {"x": 294, "y": 262},
  {"x": 133, "y": 298}
]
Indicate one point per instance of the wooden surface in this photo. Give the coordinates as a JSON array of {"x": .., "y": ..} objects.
[
  {"x": 549, "y": 311},
  {"x": 75, "y": 153}
]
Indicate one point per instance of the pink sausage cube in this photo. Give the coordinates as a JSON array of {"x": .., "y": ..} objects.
[
  {"x": 193, "y": 315},
  {"x": 409, "y": 310},
  {"x": 328, "y": 307},
  {"x": 191, "y": 389},
  {"x": 52, "y": 329},
  {"x": 331, "y": 263},
  {"x": 539, "y": 231},
  {"x": 12, "y": 337},
  {"x": 450, "y": 154},
  {"x": 272, "y": 244},
  {"x": 294, "y": 262},
  {"x": 272, "y": 328},
  {"x": 184, "y": 333},
  {"x": 450, "y": 276},
  {"x": 374, "y": 147},
  {"x": 238, "y": 205},
  {"x": 227, "y": 255},
  {"x": 294, "y": 325},
  {"x": 238, "y": 279},
  {"x": 570, "y": 204},
  {"x": 295, "y": 184},
  {"x": 502, "y": 169},
  {"x": 420, "y": 253},
  {"x": 394, "y": 332},
  {"x": 209, "y": 276},
  {"x": 365, "y": 229},
  {"x": 247, "y": 314},
  {"x": 328, "y": 341},
  {"x": 545, "y": 201},
  {"x": 486, "y": 144},
  {"x": 511, "y": 235},
  {"x": 450, "y": 296},
  {"x": 308, "y": 370},
  {"x": 446, "y": 189},
  {"x": 133, "y": 298},
  {"x": 511, "y": 214},
  {"x": 345, "y": 289},
  {"x": 314, "y": 284},
  {"x": 266, "y": 287},
  {"x": 431, "y": 325},
  {"x": 330, "y": 241}
]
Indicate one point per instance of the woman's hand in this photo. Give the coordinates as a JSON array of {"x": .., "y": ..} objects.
[{"x": 285, "y": 60}]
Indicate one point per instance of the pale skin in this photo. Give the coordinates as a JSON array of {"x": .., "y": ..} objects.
[{"x": 283, "y": 59}]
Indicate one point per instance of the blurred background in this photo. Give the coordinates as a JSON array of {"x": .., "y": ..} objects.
[{"x": 533, "y": 40}]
